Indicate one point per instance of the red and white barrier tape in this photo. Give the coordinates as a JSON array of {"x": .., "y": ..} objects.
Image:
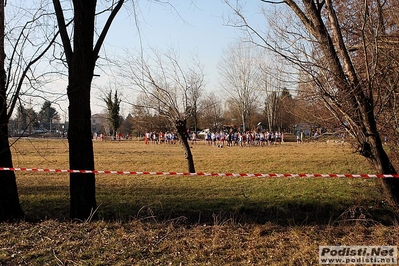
[{"x": 198, "y": 173}]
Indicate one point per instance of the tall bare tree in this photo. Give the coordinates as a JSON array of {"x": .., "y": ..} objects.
[
  {"x": 81, "y": 57},
  {"x": 212, "y": 114},
  {"x": 9, "y": 201},
  {"x": 240, "y": 79},
  {"x": 285, "y": 111},
  {"x": 273, "y": 80},
  {"x": 340, "y": 45},
  {"x": 195, "y": 92},
  {"x": 169, "y": 87},
  {"x": 26, "y": 41}
]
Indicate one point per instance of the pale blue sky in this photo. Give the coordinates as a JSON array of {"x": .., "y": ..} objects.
[{"x": 191, "y": 26}]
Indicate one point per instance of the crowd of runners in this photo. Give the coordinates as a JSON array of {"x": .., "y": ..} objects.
[
  {"x": 160, "y": 137},
  {"x": 219, "y": 139}
]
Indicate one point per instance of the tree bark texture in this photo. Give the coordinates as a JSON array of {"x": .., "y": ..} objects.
[
  {"x": 182, "y": 132},
  {"x": 81, "y": 68},
  {"x": 10, "y": 208},
  {"x": 81, "y": 59}
]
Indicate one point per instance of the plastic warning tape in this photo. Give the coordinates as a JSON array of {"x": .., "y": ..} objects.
[{"x": 46, "y": 170}]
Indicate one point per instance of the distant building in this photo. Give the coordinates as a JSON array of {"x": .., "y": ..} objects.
[
  {"x": 98, "y": 122},
  {"x": 304, "y": 127}
]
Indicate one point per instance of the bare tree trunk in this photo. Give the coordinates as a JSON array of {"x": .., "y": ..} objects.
[
  {"x": 9, "y": 202},
  {"x": 182, "y": 132},
  {"x": 359, "y": 103},
  {"x": 10, "y": 208},
  {"x": 373, "y": 150},
  {"x": 81, "y": 59},
  {"x": 81, "y": 156},
  {"x": 381, "y": 162},
  {"x": 244, "y": 122}
]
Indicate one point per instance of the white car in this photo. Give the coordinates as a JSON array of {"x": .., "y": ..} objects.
[{"x": 203, "y": 132}]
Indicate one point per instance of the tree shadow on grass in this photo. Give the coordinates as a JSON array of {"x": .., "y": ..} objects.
[
  {"x": 40, "y": 203},
  {"x": 228, "y": 211}
]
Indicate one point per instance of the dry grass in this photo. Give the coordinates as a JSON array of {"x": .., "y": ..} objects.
[
  {"x": 138, "y": 243},
  {"x": 175, "y": 220},
  {"x": 135, "y": 156}
]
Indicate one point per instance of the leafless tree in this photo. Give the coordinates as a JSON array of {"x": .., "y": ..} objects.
[
  {"x": 273, "y": 81},
  {"x": 25, "y": 40},
  {"x": 342, "y": 48},
  {"x": 81, "y": 57},
  {"x": 9, "y": 201},
  {"x": 240, "y": 78},
  {"x": 195, "y": 92},
  {"x": 169, "y": 87},
  {"x": 212, "y": 116}
]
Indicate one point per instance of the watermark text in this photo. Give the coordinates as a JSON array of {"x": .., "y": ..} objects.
[{"x": 358, "y": 255}]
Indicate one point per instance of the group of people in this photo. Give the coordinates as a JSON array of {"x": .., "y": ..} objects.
[
  {"x": 160, "y": 137},
  {"x": 219, "y": 139},
  {"x": 119, "y": 136},
  {"x": 249, "y": 138}
]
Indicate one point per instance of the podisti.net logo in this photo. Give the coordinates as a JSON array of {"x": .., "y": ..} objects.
[{"x": 358, "y": 255}]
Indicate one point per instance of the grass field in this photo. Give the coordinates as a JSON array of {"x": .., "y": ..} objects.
[{"x": 182, "y": 220}]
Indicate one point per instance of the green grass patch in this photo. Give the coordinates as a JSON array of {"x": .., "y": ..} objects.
[{"x": 198, "y": 199}]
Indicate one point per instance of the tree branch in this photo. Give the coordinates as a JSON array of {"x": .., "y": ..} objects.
[
  {"x": 106, "y": 28},
  {"x": 24, "y": 74},
  {"x": 63, "y": 30}
]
